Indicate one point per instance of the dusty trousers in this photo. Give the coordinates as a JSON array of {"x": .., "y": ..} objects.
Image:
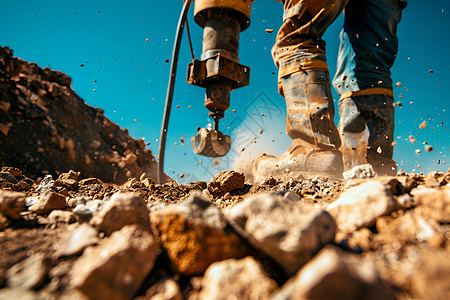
[{"x": 363, "y": 79}]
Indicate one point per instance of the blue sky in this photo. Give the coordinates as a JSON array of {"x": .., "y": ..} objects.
[{"x": 126, "y": 75}]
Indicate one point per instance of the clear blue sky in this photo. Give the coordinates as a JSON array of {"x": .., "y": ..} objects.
[{"x": 127, "y": 76}]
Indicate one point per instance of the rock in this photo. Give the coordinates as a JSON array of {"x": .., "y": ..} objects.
[
  {"x": 196, "y": 234},
  {"x": 12, "y": 204},
  {"x": 20, "y": 294},
  {"x": 122, "y": 209},
  {"x": 13, "y": 171},
  {"x": 361, "y": 205},
  {"x": 334, "y": 274},
  {"x": 62, "y": 216},
  {"x": 361, "y": 171},
  {"x": 434, "y": 202},
  {"x": 7, "y": 176},
  {"x": 236, "y": 279},
  {"x": 431, "y": 277},
  {"x": 29, "y": 273},
  {"x": 73, "y": 202},
  {"x": 116, "y": 267},
  {"x": 69, "y": 180},
  {"x": 165, "y": 289},
  {"x": 46, "y": 184},
  {"x": 225, "y": 182},
  {"x": 47, "y": 202},
  {"x": 409, "y": 227},
  {"x": 74, "y": 242},
  {"x": 290, "y": 232},
  {"x": 86, "y": 211}
]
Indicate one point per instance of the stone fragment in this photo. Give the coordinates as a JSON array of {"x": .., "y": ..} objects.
[
  {"x": 48, "y": 202},
  {"x": 12, "y": 204},
  {"x": 165, "y": 289},
  {"x": 116, "y": 267},
  {"x": 74, "y": 242},
  {"x": 45, "y": 184},
  {"x": 8, "y": 177},
  {"x": 122, "y": 209},
  {"x": 361, "y": 171},
  {"x": 434, "y": 202},
  {"x": 335, "y": 274},
  {"x": 29, "y": 273},
  {"x": 236, "y": 279},
  {"x": 195, "y": 234},
  {"x": 23, "y": 185},
  {"x": 361, "y": 205},
  {"x": 62, "y": 216},
  {"x": 68, "y": 180},
  {"x": 13, "y": 171},
  {"x": 225, "y": 182},
  {"x": 86, "y": 211},
  {"x": 431, "y": 275},
  {"x": 289, "y": 231}
]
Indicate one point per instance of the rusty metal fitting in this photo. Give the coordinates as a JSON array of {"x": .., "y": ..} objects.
[{"x": 240, "y": 9}]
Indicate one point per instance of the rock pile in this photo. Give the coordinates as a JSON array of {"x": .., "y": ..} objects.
[
  {"x": 46, "y": 128},
  {"x": 305, "y": 238}
]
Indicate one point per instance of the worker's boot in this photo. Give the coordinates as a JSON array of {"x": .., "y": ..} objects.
[
  {"x": 367, "y": 128},
  {"x": 310, "y": 124}
]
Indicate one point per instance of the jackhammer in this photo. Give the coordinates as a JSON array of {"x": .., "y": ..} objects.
[{"x": 218, "y": 70}]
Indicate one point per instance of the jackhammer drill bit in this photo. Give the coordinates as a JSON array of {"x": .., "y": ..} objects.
[{"x": 218, "y": 70}]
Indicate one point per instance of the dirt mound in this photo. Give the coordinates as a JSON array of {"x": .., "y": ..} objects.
[{"x": 46, "y": 128}]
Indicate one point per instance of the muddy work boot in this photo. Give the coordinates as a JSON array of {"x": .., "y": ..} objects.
[
  {"x": 301, "y": 158},
  {"x": 367, "y": 128},
  {"x": 310, "y": 124}
]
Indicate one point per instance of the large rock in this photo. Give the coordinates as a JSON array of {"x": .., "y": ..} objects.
[
  {"x": 225, "y": 182},
  {"x": 434, "y": 202},
  {"x": 335, "y": 275},
  {"x": 48, "y": 202},
  {"x": 236, "y": 279},
  {"x": 122, "y": 209},
  {"x": 196, "y": 234},
  {"x": 290, "y": 232},
  {"x": 29, "y": 273},
  {"x": 12, "y": 204},
  {"x": 361, "y": 205},
  {"x": 117, "y": 266}
]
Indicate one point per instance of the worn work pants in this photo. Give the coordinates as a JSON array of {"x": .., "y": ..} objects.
[{"x": 367, "y": 52}]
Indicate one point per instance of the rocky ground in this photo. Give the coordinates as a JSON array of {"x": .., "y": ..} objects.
[
  {"x": 304, "y": 238},
  {"x": 87, "y": 221}
]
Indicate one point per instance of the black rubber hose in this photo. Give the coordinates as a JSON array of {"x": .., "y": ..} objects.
[{"x": 170, "y": 88}]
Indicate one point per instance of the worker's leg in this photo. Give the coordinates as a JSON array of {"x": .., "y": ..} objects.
[
  {"x": 367, "y": 52},
  {"x": 304, "y": 81}
]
